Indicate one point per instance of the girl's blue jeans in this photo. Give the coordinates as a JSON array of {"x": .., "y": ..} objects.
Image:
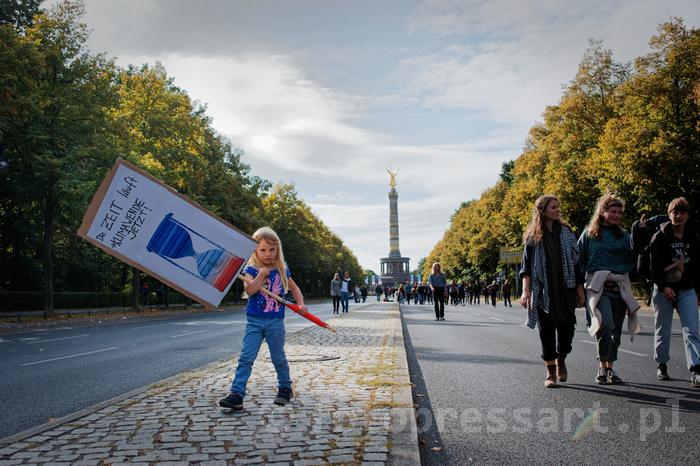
[
  {"x": 345, "y": 300},
  {"x": 687, "y": 306},
  {"x": 258, "y": 329}
]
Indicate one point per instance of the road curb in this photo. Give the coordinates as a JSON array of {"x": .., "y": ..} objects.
[{"x": 404, "y": 449}]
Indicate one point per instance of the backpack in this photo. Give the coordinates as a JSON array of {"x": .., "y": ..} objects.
[{"x": 641, "y": 245}]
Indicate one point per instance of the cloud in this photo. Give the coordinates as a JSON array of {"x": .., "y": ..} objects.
[
  {"x": 294, "y": 130},
  {"x": 506, "y": 59},
  {"x": 339, "y": 196},
  {"x": 445, "y": 100}
]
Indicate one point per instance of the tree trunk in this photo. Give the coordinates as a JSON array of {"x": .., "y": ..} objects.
[
  {"x": 49, "y": 221},
  {"x": 135, "y": 288}
]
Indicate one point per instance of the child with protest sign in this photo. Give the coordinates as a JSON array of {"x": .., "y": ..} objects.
[{"x": 265, "y": 317}]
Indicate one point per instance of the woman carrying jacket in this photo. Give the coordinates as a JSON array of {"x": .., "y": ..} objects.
[
  {"x": 676, "y": 275},
  {"x": 552, "y": 285},
  {"x": 606, "y": 258}
]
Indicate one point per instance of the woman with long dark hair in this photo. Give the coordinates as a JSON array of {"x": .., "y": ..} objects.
[{"x": 552, "y": 284}]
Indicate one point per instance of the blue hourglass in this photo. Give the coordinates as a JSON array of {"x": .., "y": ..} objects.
[{"x": 172, "y": 240}]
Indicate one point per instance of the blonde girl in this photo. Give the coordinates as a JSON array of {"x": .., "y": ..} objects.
[{"x": 265, "y": 317}]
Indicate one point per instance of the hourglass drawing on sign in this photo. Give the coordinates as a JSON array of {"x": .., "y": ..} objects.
[{"x": 173, "y": 240}]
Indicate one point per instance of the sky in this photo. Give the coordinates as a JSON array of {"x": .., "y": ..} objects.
[{"x": 328, "y": 94}]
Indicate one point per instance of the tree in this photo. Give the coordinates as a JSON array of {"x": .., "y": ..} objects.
[
  {"x": 56, "y": 143},
  {"x": 18, "y": 13},
  {"x": 312, "y": 251},
  {"x": 506, "y": 169},
  {"x": 651, "y": 152}
]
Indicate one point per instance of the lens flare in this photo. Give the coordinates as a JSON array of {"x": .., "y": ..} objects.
[{"x": 586, "y": 424}]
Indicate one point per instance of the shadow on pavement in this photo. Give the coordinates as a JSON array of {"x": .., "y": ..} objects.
[
  {"x": 639, "y": 397},
  {"x": 437, "y": 355}
]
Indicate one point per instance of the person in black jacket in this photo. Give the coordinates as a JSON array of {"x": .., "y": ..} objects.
[{"x": 675, "y": 271}]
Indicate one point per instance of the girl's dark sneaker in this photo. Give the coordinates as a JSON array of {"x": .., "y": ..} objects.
[
  {"x": 602, "y": 377},
  {"x": 662, "y": 372},
  {"x": 612, "y": 376},
  {"x": 695, "y": 380},
  {"x": 284, "y": 396},
  {"x": 233, "y": 401}
]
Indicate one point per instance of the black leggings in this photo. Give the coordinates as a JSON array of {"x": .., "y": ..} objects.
[
  {"x": 439, "y": 299},
  {"x": 555, "y": 339},
  {"x": 336, "y": 303}
]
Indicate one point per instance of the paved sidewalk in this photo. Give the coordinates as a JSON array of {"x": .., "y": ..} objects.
[{"x": 353, "y": 406}]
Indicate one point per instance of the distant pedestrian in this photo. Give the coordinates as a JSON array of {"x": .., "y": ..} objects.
[
  {"x": 345, "y": 291},
  {"x": 453, "y": 293},
  {"x": 438, "y": 284},
  {"x": 507, "y": 289},
  {"x": 265, "y": 318},
  {"x": 493, "y": 292},
  {"x": 145, "y": 291},
  {"x": 356, "y": 294},
  {"x": 378, "y": 292},
  {"x": 552, "y": 284},
  {"x": 335, "y": 292},
  {"x": 363, "y": 293}
]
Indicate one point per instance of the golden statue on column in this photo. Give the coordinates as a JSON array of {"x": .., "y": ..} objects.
[{"x": 392, "y": 177}]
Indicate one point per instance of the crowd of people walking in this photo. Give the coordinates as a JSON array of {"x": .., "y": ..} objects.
[{"x": 561, "y": 272}]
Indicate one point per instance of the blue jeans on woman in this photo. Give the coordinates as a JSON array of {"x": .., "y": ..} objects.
[
  {"x": 687, "y": 306},
  {"x": 345, "y": 300},
  {"x": 272, "y": 330}
]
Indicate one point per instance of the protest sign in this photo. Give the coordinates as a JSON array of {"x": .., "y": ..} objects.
[{"x": 143, "y": 222}]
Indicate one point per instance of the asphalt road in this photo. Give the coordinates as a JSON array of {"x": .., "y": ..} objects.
[
  {"x": 54, "y": 372},
  {"x": 480, "y": 397}
]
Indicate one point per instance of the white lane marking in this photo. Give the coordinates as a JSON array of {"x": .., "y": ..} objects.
[
  {"x": 71, "y": 356},
  {"x": 2, "y": 340},
  {"x": 56, "y": 339},
  {"x": 496, "y": 318},
  {"x": 208, "y": 322},
  {"x": 28, "y": 339},
  {"x": 633, "y": 352},
  {"x": 149, "y": 326},
  {"x": 188, "y": 333},
  {"x": 475, "y": 313},
  {"x": 642, "y": 355}
]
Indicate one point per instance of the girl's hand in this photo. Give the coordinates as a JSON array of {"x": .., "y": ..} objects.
[
  {"x": 669, "y": 294},
  {"x": 525, "y": 299}
]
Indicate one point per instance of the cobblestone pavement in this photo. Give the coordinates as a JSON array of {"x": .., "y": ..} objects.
[{"x": 352, "y": 406}]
